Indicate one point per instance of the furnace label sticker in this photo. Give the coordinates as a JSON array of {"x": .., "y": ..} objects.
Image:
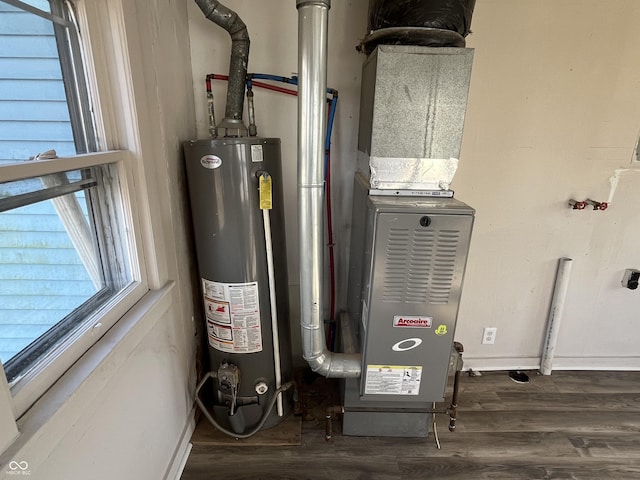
[
  {"x": 392, "y": 380},
  {"x": 233, "y": 316},
  {"x": 407, "y": 321}
]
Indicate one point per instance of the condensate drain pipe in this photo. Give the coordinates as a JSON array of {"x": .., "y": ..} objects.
[{"x": 312, "y": 71}]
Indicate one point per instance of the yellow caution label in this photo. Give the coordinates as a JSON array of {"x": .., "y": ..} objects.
[{"x": 266, "y": 196}]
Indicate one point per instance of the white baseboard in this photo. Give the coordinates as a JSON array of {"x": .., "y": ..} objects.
[
  {"x": 559, "y": 363},
  {"x": 597, "y": 363},
  {"x": 500, "y": 363},
  {"x": 181, "y": 454}
]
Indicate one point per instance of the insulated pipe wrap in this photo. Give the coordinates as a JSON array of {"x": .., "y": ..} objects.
[
  {"x": 454, "y": 15},
  {"x": 232, "y": 23}
]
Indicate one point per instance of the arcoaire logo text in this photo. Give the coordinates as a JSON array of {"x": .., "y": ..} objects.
[{"x": 412, "y": 322}]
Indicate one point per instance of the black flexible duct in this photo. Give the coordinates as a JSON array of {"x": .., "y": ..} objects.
[
  {"x": 231, "y": 22},
  {"x": 430, "y": 23}
]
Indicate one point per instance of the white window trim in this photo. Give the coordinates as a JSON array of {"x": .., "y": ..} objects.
[
  {"x": 105, "y": 25},
  {"x": 30, "y": 387}
]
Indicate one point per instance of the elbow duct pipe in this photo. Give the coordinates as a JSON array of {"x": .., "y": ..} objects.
[
  {"x": 231, "y": 22},
  {"x": 312, "y": 69}
]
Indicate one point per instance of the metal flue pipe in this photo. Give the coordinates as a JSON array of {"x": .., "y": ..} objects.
[
  {"x": 231, "y": 22},
  {"x": 312, "y": 77}
]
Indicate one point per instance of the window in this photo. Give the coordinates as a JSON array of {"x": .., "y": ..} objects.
[
  {"x": 69, "y": 254},
  {"x": 56, "y": 229}
]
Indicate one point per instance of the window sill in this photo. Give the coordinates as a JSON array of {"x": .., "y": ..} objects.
[{"x": 56, "y": 409}]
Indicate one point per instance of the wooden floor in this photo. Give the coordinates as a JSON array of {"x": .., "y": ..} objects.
[{"x": 570, "y": 425}]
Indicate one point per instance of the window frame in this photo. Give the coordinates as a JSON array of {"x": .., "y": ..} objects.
[{"x": 108, "y": 69}]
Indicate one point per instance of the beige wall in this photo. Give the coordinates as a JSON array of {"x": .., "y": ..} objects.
[{"x": 554, "y": 110}]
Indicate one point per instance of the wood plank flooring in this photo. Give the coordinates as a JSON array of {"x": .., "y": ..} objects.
[{"x": 570, "y": 425}]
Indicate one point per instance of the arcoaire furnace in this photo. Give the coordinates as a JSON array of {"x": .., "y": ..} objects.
[{"x": 410, "y": 238}]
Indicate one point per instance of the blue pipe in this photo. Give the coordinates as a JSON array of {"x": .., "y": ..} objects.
[
  {"x": 332, "y": 116},
  {"x": 327, "y": 140},
  {"x": 277, "y": 78}
]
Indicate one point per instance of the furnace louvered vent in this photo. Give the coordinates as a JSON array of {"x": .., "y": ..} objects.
[
  {"x": 396, "y": 265},
  {"x": 420, "y": 265},
  {"x": 444, "y": 265}
]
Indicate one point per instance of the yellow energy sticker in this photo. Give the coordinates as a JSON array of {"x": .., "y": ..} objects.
[
  {"x": 441, "y": 330},
  {"x": 266, "y": 196}
]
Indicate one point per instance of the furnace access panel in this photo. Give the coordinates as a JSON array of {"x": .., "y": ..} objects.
[{"x": 410, "y": 280}]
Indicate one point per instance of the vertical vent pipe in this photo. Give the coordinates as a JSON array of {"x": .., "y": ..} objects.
[
  {"x": 312, "y": 77},
  {"x": 232, "y": 23}
]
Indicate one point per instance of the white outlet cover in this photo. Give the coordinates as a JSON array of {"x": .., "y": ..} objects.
[{"x": 489, "y": 335}]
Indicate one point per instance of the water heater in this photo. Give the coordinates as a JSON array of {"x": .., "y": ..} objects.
[{"x": 238, "y": 239}]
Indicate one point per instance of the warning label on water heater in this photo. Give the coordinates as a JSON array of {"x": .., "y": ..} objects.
[
  {"x": 392, "y": 380},
  {"x": 233, "y": 316}
]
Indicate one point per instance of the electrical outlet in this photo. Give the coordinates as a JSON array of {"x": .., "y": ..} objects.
[{"x": 489, "y": 335}]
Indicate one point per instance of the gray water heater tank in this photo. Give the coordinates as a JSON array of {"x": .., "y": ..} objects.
[{"x": 223, "y": 178}]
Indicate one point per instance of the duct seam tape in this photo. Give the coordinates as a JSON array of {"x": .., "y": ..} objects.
[{"x": 420, "y": 173}]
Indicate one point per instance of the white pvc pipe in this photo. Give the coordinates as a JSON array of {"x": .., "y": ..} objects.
[
  {"x": 274, "y": 309},
  {"x": 555, "y": 315}
]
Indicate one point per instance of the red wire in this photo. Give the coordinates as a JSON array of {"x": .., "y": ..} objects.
[
  {"x": 332, "y": 273},
  {"x": 274, "y": 88}
]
